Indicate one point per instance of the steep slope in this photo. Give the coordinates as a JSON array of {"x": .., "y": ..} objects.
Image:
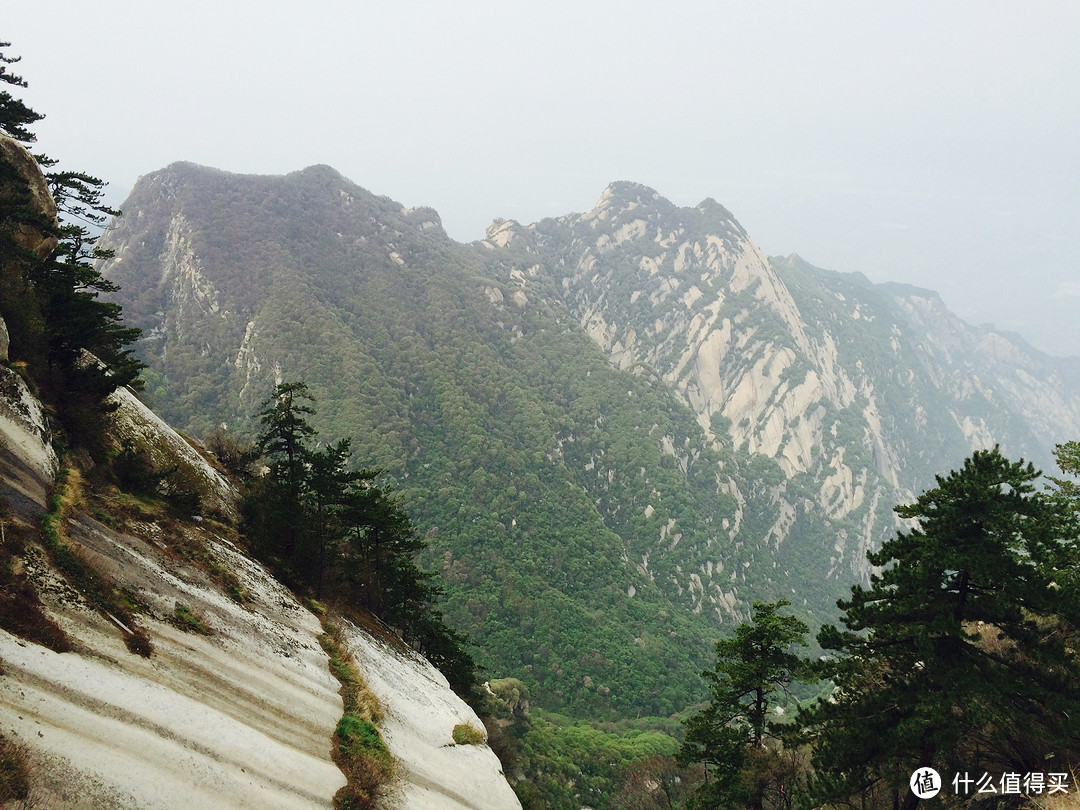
[
  {"x": 422, "y": 713},
  {"x": 615, "y": 430},
  {"x": 240, "y": 715}
]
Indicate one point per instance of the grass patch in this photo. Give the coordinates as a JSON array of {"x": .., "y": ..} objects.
[
  {"x": 14, "y": 771},
  {"x": 120, "y": 510},
  {"x": 360, "y": 736},
  {"x": 21, "y": 611},
  {"x": 358, "y": 748},
  {"x": 464, "y": 734},
  {"x": 72, "y": 562},
  {"x": 359, "y": 700},
  {"x": 189, "y": 620}
]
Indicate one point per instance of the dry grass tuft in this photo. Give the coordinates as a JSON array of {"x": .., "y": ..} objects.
[
  {"x": 359, "y": 700},
  {"x": 14, "y": 771},
  {"x": 79, "y": 570},
  {"x": 138, "y": 642}
]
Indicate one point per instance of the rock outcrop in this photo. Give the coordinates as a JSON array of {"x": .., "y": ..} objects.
[
  {"x": 21, "y": 180},
  {"x": 133, "y": 422},
  {"x": 25, "y": 434},
  {"x": 240, "y": 717}
]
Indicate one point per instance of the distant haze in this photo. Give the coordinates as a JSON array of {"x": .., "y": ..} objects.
[{"x": 934, "y": 144}]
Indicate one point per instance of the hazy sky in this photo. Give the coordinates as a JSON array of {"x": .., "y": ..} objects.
[{"x": 936, "y": 143}]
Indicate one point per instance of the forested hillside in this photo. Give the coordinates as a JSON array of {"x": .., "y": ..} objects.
[{"x": 614, "y": 430}]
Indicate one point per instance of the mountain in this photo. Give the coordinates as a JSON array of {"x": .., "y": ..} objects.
[
  {"x": 615, "y": 430},
  {"x": 859, "y": 392},
  {"x": 146, "y": 659}
]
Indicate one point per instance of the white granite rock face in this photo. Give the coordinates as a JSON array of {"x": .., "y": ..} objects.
[
  {"x": 24, "y": 430},
  {"x": 237, "y": 719},
  {"x": 240, "y": 718},
  {"x": 420, "y": 714},
  {"x": 134, "y": 421}
]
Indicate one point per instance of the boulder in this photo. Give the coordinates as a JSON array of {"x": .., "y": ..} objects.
[{"x": 20, "y": 174}]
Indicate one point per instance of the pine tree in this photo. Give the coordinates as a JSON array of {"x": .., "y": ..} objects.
[
  {"x": 329, "y": 527},
  {"x": 276, "y": 512},
  {"x": 731, "y": 733},
  {"x": 955, "y": 656},
  {"x": 15, "y": 116},
  {"x": 331, "y": 484},
  {"x": 52, "y": 303}
]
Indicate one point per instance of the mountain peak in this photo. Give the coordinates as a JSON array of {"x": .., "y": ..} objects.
[
  {"x": 623, "y": 194},
  {"x": 711, "y": 208},
  {"x": 318, "y": 172}
]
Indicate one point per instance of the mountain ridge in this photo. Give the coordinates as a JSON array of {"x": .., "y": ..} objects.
[{"x": 627, "y": 413}]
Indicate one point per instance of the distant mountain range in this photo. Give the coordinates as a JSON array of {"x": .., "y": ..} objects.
[{"x": 615, "y": 430}]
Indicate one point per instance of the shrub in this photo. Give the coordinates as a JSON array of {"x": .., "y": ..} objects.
[
  {"x": 235, "y": 455},
  {"x": 134, "y": 469},
  {"x": 464, "y": 734},
  {"x": 14, "y": 771},
  {"x": 181, "y": 487},
  {"x": 189, "y": 620},
  {"x": 138, "y": 642}
]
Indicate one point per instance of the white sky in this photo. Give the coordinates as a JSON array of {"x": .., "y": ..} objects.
[{"x": 935, "y": 143}]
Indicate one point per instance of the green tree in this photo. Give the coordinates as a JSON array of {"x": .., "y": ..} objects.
[
  {"x": 15, "y": 116},
  {"x": 328, "y": 525},
  {"x": 956, "y": 654},
  {"x": 730, "y": 735},
  {"x": 52, "y": 302},
  {"x": 1066, "y": 490},
  {"x": 287, "y": 433},
  {"x": 275, "y": 510},
  {"x": 331, "y": 484},
  {"x": 380, "y": 550}
]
